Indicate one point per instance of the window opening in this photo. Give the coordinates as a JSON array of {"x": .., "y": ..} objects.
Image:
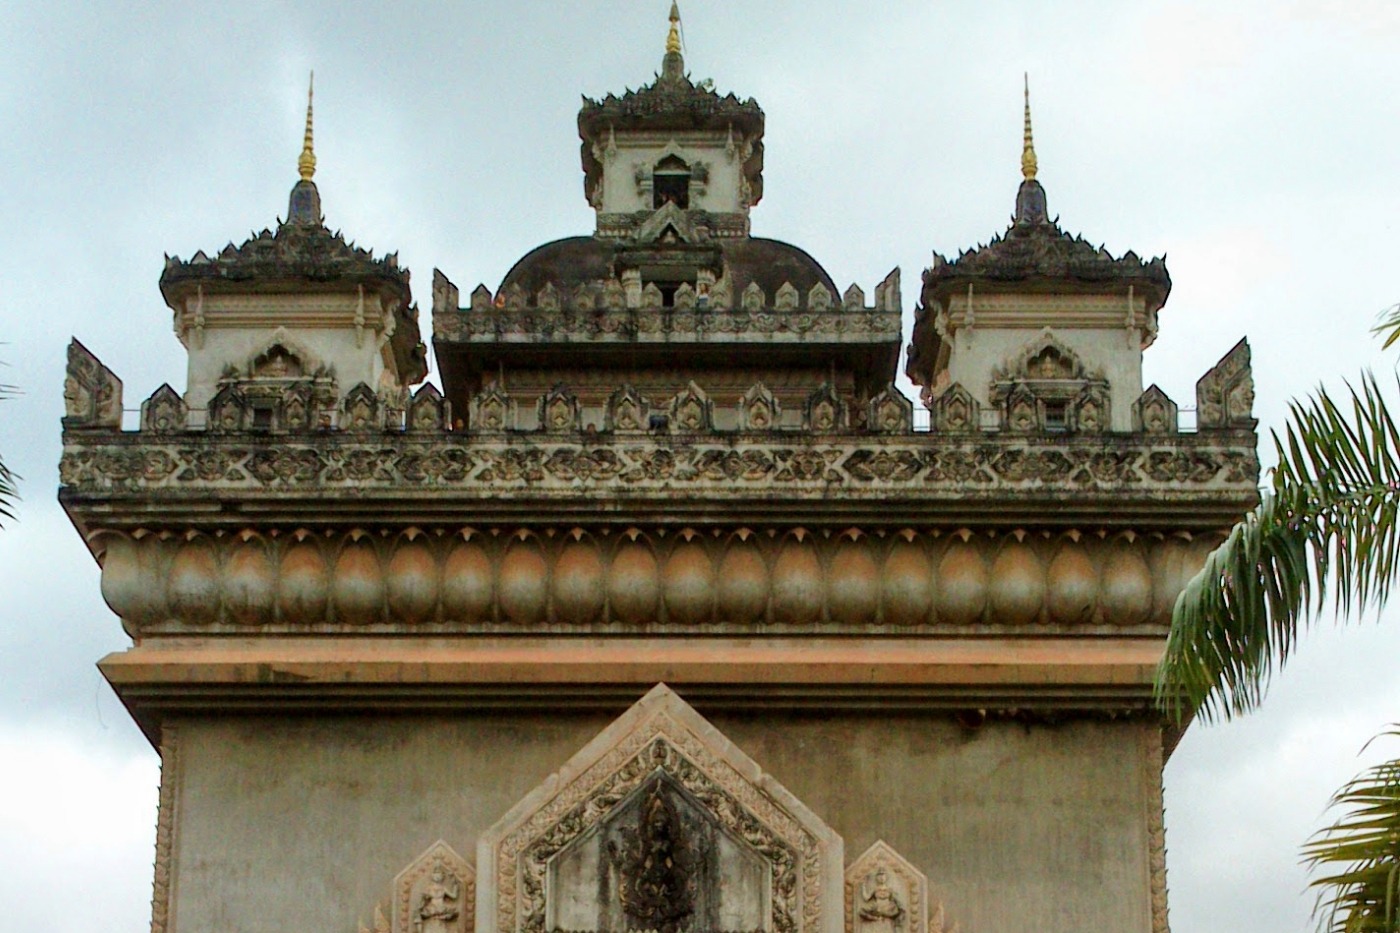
[{"x": 670, "y": 181}]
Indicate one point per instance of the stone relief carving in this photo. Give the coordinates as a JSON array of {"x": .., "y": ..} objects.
[
  {"x": 361, "y": 410},
  {"x": 795, "y": 467},
  {"x": 692, "y": 411},
  {"x": 1225, "y": 395},
  {"x": 819, "y": 298},
  {"x": 825, "y": 411},
  {"x": 887, "y": 294},
  {"x": 854, "y": 298},
  {"x": 719, "y": 321},
  {"x": 955, "y": 411},
  {"x": 229, "y": 411},
  {"x": 436, "y": 893},
  {"x": 675, "y": 773},
  {"x": 170, "y": 779},
  {"x": 165, "y": 412},
  {"x": 753, "y": 298},
  {"x": 92, "y": 394},
  {"x": 429, "y": 411},
  {"x": 627, "y": 412},
  {"x": 559, "y": 411},
  {"x": 493, "y": 410},
  {"x": 1155, "y": 413},
  {"x": 891, "y": 413},
  {"x": 1089, "y": 411},
  {"x": 786, "y": 298},
  {"x": 759, "y": 410},
  {"x": 887, "y": 894}
]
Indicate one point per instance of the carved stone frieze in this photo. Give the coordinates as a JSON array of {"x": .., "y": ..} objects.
[
  {"x": 535, "y": 467},
  {"x": 663, "y": 579},
  {"x": 657, "y": 760}
]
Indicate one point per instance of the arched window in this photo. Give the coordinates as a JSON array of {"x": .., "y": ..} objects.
[{"x": 670, "y": 181}]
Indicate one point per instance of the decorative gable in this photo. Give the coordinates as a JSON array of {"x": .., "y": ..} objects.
[{"x": 660, "y": 823}]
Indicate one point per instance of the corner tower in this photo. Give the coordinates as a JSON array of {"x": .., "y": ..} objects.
[{"x": 282, "y": 329}]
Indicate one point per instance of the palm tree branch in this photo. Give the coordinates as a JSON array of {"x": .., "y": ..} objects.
[{"x": 1332, "y": 515}]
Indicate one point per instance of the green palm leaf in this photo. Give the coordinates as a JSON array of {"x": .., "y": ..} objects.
[
  {"x": 1331, "y": 517},
  {"x": 1362, "y": 849},
  {"x": 9, "y": 480}
]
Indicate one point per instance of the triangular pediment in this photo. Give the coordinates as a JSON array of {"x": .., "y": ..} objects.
[{"x": 569, "y": 854}]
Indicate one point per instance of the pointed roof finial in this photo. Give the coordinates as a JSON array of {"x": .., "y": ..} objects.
[
  {"x": 306, "y": 163},
  {"x": 1028, "y": 162},
  {"x": 673, "y": 38}
]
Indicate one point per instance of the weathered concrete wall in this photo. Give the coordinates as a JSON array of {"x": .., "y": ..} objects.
[{"x": 303, "y": 824}]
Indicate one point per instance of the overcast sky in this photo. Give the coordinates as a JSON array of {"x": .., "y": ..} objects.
[{"x": 1254, "y": 143}]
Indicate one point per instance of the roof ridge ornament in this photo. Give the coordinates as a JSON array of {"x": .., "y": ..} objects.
[
  {"x": 306, "y": 163},
  {"x": 1029, "y": 165},
  {"x": 673, "y": 65}
]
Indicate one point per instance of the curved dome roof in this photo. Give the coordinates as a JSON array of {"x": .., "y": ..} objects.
[{"x": 574, "y": 261}]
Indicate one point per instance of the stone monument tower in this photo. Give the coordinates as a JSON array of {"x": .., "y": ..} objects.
[{"x": 660, "y": 615}]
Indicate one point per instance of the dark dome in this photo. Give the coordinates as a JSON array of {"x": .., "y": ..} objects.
[{"x": 572, "y": 261}]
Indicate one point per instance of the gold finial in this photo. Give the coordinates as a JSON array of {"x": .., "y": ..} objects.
[
  {"x": 306, "y": 163},
  {"x": 1028, "y": 162},
  {"x": 673, "y": 38}
]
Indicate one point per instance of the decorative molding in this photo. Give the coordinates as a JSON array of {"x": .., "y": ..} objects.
[
  {"x": 92, "y": 394},
  {"x": 714, "y": 324},
  {"x": 1153, "y": 762},
  {"x": 661, "y": 737},
  {"x": 163, "y": 884},
  {"x": 672, "y": 580},
  {"x": 731, "y": 467}
]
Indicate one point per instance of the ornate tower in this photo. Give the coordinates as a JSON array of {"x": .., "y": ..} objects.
[{"x": 661, "y": 616}]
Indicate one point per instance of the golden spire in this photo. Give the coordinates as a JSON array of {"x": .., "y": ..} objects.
[
  {"x": 1028, "y": 162},
  {"x": 306, "y": 163},
  {"x": 673, "y": 38}
]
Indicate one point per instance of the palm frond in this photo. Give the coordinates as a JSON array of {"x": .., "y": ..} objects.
[
  {"x": 1332, "y": 515},
  {"x": 1362, "y": 850},
  {"x": 1388, "y": 326},
  {"x": 9, "y": 480}
]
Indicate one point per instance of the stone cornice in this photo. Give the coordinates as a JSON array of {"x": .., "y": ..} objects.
[
  {"x": 988, "y": 676},
  {"x": 1176, "y": 482}
]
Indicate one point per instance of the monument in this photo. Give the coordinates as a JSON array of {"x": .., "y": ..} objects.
[{"x": 660, "y": 615}]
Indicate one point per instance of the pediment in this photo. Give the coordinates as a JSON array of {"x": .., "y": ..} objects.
[{"x": 660, "y": 823}]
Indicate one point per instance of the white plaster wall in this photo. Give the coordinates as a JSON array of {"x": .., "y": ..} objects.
[
  {"x": 723, "y": 189},
  {"x": 978, "y": 352},
  {"x": 330, "y": 341},
  {"x": 303, "y": 824}
]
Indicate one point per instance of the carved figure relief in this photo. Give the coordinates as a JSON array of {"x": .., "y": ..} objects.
[
  {"x": 481, "y": 299},
  {"x": 819, "y": 298},
  {"x": 436, "y": 893},
  {"x": 1046, "y": 387},
  {"x": 660, "y": 823},
  {"x": 854, "y": 298},
  {"x": 887, "y": 894},
  {"x": 685, "y": 297},
  {"x": 228, "y": 410},
  {"x": 1225, "y": 395},
  {"x": 1090, "y": 413},
  {"x": 92, "y": 394}
]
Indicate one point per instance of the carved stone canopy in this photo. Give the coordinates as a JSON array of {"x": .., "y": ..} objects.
[{"x": 660, "y": 823}]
